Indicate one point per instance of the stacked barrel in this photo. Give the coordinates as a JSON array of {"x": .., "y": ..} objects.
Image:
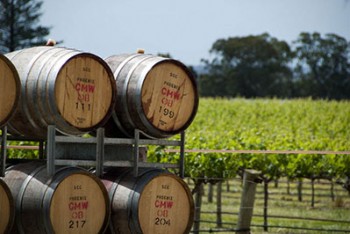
[
  {"x": 71, "y": 201},
  {"x": 79, "y": 92},
  {"x": 155, "y": 95},
  {"x": 154, "y": 202},
  {"x": 72, "y": 90}
]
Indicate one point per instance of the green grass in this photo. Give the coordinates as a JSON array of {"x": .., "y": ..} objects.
[{"x": 281, "y": 203}]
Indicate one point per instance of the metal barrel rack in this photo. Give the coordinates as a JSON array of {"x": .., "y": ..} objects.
[{"x": 97, "y": 151}]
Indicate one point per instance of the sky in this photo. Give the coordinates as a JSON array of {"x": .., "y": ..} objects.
[{"x": 185, "y": 29}]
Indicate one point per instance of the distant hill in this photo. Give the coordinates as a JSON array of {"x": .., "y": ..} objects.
[{"x": 200, "y": 69}]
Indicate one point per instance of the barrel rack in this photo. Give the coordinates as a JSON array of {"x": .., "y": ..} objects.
[{"x": 97, "y": 151}]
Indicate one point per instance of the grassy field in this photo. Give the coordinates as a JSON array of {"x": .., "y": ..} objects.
[{"x": 297, "y": 215}]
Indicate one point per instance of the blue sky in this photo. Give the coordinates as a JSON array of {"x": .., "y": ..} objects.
[{"x": 186, "y": 29}]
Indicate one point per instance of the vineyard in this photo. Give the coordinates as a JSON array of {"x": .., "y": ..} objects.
[
  {"x": 297, "y": 140},
  {"x": 316, "y": 133},
  {"x": 301, "y": 141},
  {"x": 298, "y": 126}
]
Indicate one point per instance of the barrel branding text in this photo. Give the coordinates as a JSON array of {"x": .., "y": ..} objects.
[
  {"x": 169, "y": 96},
  {"x": 78, "y": 206},
  {"x": 163, "y": 204},
  {"x": 85, "y": 88}
]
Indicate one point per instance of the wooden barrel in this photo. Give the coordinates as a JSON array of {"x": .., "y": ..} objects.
[
  {"x": 10, "y": 90},
  {"x": 71, "y": 201},
  {"x": 155, "y": 95},
  {"x": 7, "y": 209},
  {"x": 73, "y": 90},
  {"x": 155, "y": 202}
]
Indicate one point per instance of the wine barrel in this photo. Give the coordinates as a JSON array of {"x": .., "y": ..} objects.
[
  {"x": 7, "y": 209},
  {"x": 73, "y": 90},
  {"x": 71, "y": 201},
  {"x": 154, "y": 202},
  {"x": 10, "y": 90},
  {"x": 155, "y": 95}
]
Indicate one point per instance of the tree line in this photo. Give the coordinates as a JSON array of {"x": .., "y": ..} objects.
[
  {"x": 251, "y": 66},
  {"x": 20, "y": 25},
  {"x": 262, "y": 66}
]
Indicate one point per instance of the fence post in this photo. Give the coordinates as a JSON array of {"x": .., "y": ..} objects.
[
  {"x": 219, "y": 204},
  {"x": 198, "y": 205},
  {"x": 250, "y": 179},
  {"x": 266, "y": 204},
  {"x": 210, "y": 192}
]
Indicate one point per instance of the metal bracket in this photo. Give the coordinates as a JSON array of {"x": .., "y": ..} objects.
[
  {"x": 182, "y": 156},
  {"x": 100, "y": 151},
  {"x": 50, "y": 150},
  {"x": 136, "y": 152},
  {"x": 3, "y": 151}
]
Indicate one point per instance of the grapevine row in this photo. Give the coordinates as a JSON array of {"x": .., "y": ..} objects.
[{"x": 268, "y": 124}]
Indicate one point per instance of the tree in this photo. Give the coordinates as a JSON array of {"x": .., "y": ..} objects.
[
  {"x": 252, "y": 66},
  {"x": 323, "y": 65},
  {"x": 19, "y": 25}
]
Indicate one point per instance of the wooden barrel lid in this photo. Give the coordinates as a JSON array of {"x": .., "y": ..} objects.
[
  {"x": 165, "y": 206},
  {"x": 84, "y": 91},
  {"x": 6, "y": 208},
  {"x": 169, "y": 97},
  {"x": 79, "y": 205},
  {"x": 9, "y": 89}
]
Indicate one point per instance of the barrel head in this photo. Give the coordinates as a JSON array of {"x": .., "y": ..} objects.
[
  {"x": 9, "y": 90},
  {"x": 6, "y": 208},
  {"x": 84, "y": 91},
  {"x": 165, "y": 206},
  {"x": 169, "y": 96},
  {"x": 79, "y": 205}
]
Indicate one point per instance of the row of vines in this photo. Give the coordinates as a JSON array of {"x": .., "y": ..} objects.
[
  {"x": 268, "y": 124},
  {"x": 261, "y": 124}
]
